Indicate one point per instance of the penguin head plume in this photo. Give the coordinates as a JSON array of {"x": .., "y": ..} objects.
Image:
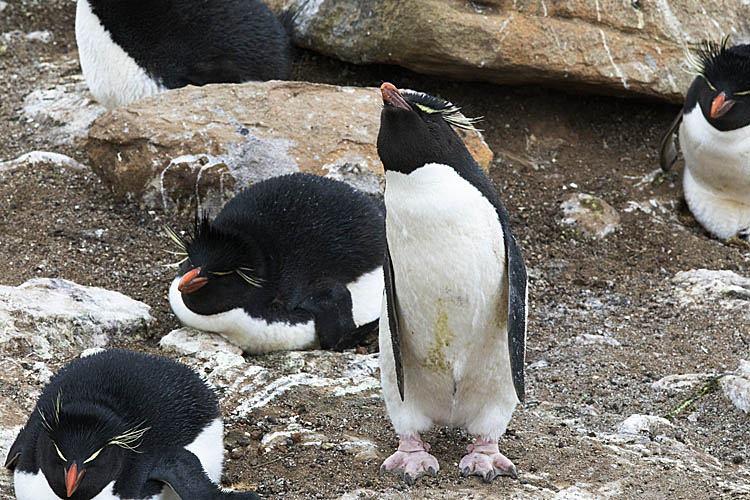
[
  {"x": 218, "y": 267},
  {"x": 84, "y": 439},
  {"x": 417, "y": 128},
  {"x": 723, "y": 78}
]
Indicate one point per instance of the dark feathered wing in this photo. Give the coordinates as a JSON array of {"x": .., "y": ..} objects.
[
  {"x": 667, "y": 148},
  {"x": 15, "y": 451},
  {"x": 517, "y": 299},
  {"x": 394, "y": 319},
  {"x": 183, "y": 472}
]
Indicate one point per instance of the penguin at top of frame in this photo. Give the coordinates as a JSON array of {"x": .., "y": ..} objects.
[
  {"x": 453, "y": 324},
  {"x": 130, "y": 50},
  {"x": 714, "y": 134}
]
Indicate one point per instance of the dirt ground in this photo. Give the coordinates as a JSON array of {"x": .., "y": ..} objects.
[{"x": 548, "y": 144}]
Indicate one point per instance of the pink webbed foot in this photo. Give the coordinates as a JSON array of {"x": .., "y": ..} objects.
[
  {"x": 411, "y": 461},
  {"x": 484, "y": 459}
]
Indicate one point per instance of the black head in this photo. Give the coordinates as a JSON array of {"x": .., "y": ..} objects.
[
  {"x": 415, "y": 129},
  {"x": 722, "y": 86},
  {"x": 83, "y": 448},
  {"x": 220, "y": 270}
]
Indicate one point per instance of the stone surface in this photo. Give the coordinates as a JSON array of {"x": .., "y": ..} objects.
[
  {"x": 186, "y": 341},
  {"x": 590, "y": 214},
  {"x": 641, "y": 424},
  {"x": 700, "y": 286},
  {"x": 605, "y": 46},
  {"x": 212, "y": 141},
  {"x": 736, "y": 386},
  {"x": 65, "y": 110},
  {"x": 34, "y": 158},
  {"x": 681, "y": 382},
  {"x": 56, "y": 317}
]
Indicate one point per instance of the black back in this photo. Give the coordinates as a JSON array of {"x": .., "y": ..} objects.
[
  {"x": 407, "y": 140},
  {"x": 181, "y": 42},
  {"x": 294, "y": 232}
]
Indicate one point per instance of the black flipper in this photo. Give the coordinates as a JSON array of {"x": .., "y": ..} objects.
[
  {"x": 183, "y": 472},
  {"x": 394, "y": 320},
  {"x": 517, "y": 298},
  {"x": 667, "y": 149},
  {"x": 15, "y": 451}
]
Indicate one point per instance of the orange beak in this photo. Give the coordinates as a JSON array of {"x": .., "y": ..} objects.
[
  {"x": 392, "y": 96},
  {"x": 73, "y": 478},
  {"x": 721, "y": 105},
  {"x": 190, "y": 282}
]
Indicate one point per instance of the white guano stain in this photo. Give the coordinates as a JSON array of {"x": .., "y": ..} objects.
[
  {"x": 503, "y": 26},
  {"x": 618, "y": 72}
]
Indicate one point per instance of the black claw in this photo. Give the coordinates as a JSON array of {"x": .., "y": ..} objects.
[
  {"x": 489, "y": 476},
  {"x": 464, "y": 472},
  {"x": 382, "y": 470},
  {"x": 431, "y": 471},
  {"x": 409, "y": 479}
]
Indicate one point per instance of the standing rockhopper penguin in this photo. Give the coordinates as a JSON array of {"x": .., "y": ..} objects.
[
  {"x": 453, "y": 324},
  {"x": 122, "y": 425},
  {"x": 133, "y": 49},
  {"x": 292, "y": 262},
  {"x": 714, "y": 127}
]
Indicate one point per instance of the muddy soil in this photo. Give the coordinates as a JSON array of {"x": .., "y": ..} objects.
[{"x": 548, "y": 145}]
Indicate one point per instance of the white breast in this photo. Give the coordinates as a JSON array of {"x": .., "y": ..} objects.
[
  {"x": 717, "y": 174},
  {"x": 113, "y": 77},
  {"x": 448, "y": 254},
  {"x": 208, "y": 447},
  {"x": 253, "y": 335}
]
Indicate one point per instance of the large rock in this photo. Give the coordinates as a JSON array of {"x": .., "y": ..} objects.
[
  {"x": 56, "y": 317},
  {"x": 212, "y": 141},
  {"x": 613, "y": 46}
]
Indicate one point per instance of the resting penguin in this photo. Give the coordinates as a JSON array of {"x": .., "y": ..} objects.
[
  {"x": 714, "y": 130},
  {"x": 293, "y": 262},
  {"x": 133, "y": 49},
  {"x": 122, "y": 425},
  {"x": 453, "y": 324}
]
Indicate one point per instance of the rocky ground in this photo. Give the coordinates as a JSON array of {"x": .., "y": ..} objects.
[{"x": 632, "y": 356}]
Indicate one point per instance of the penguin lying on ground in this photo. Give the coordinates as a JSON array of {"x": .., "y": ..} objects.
[
  {"x": 714, "y": 128},
  {"x": 130, "y": 50},
  {"x": 122, "y": 425},
  {"x": 453, "y": 325},
  {"x": 293, "y": 262}
]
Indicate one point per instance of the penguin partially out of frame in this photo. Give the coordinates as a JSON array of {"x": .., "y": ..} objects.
[
  {"x": 453, "y": 323},
  {"x": 121, "y": 425},
  {"x": 130, "y": 50},
  {"x": 292, "y": 262},
  {"x": 714, "y": 132}
]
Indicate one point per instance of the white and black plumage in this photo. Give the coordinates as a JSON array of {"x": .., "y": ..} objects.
[
  {"x": 453, "y": 326},
  {"x": 714, "y": 131},
  {"x": 130, "y": 49},
  {"x": 293, "y": 262},
  {"x": 122, "y": 425}
]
